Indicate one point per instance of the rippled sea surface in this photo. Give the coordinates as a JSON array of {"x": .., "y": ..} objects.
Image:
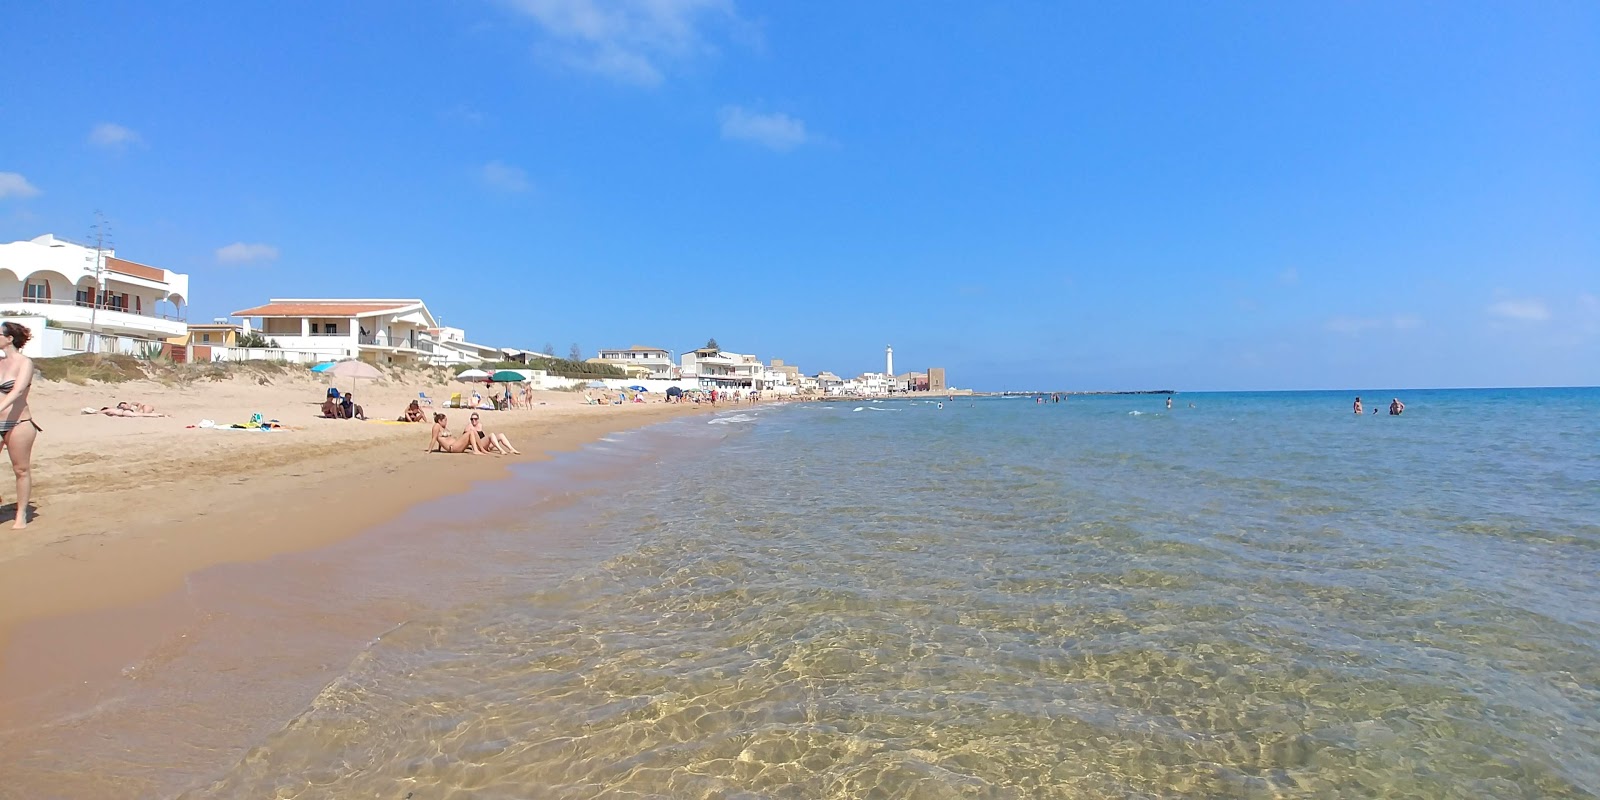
[{"x": 1261, "y": 596}]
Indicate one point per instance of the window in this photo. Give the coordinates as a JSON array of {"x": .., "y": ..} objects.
[
  {"x": 205, "y": 338},
  {"x": 36, "y": 290},
  {"x": 72, "y": 340}
]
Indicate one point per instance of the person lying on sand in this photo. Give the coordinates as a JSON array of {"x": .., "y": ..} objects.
[
  {"x": 127, "y": 406},
  {"x": 122, "y": 412},
  {"x": 490, "y": 441},
  {"x": 440, "y": 440},
  {"x": 413, "y": 413}
]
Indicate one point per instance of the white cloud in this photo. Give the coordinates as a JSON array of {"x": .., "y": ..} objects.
[
  {"x": 1355, "y": 326},
  {"x": 505, "y": 177},
  {"x": 1521, "y": 310},
  {"x": 242, "y": 253},
  {"x": 627, "y": 40},
  {"x": 779, "y": 132},
  {"x": 12, "y": 184},
  {"x": 112, "y": 136}
]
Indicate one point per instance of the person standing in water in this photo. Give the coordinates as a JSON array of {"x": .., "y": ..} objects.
[
  {"x": 1358, "y": 406},
  {"x": 1169, "y": 404},
  {"x": 17, "y": 428},
  {"x": 1396, "y": 408}
]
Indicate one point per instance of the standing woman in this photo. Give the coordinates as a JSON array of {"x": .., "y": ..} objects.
[{"x": 17, "y": 428}]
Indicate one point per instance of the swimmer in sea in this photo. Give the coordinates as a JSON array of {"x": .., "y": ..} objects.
[
  {"x": 941, "y": 406},
  {"x": 1358, "y": 406},
  {"x": 1169, "y": 404},
  {"x": 1396, "y": 408}
]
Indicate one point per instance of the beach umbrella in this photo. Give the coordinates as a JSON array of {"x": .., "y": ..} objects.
[
  {"x": 354, "y": 370},
  {"x": 324, "y": 366},
  {"x": 673, "y": 391},
  {"x": 507, "y": 376},
  {"x": 595, "y": 385},
  {"x": 638, "y": 388},
  {"x": 473, "y": 375}
]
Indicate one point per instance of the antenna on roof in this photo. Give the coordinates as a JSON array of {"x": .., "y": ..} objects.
[{"x": 100, "y": 239}]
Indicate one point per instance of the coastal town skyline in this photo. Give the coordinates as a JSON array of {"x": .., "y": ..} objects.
[{"x": 995, "y": 191}]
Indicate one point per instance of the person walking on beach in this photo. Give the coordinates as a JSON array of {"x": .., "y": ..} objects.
[
  {"x": 18, "y": 431},
  {"x": 1358, "y": 406}
]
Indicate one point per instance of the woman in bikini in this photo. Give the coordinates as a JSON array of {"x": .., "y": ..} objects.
[
  {"x": 17, "y": 428},
  {"x": 490, "y": 441},
  {"x": 441, "y": 441}
]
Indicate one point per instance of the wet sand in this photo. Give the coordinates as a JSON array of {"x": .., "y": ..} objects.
[{"x": 222, "y": 574}]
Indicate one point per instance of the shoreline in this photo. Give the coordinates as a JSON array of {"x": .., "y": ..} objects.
[
  {"x": 119, "y": 531},
  {"x": 85, "y": 614}
]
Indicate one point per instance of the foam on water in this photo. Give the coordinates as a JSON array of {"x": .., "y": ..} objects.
[{"x": 1015, "y": 600}]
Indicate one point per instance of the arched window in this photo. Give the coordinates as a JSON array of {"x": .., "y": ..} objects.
[{"x": 36, "y": 289}]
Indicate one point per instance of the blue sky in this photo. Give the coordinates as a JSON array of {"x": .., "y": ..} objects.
[{"x": 1031, "y": 194}]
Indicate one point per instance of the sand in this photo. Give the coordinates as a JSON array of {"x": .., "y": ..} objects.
[{"x": 127, "y": 507}]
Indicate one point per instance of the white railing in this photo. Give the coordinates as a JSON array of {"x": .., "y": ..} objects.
[
  {"x": 268, "y": 354},
  {"x": 85, "y": 304}
]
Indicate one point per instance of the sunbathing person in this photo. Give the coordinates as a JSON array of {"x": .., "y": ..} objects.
[
  {"x": 127, "y": 406},
  {"x": 490, "y": 441},
  {"x": 413, "y": 412},
  {"x": 122, "y": 412},
  {"x": 351, "y": 410},
  {"x": 440, "y": 440}
]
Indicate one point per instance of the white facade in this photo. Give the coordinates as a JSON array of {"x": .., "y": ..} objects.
[
  {"x": 130, "y": 306},
  {"x": 867, "y": 384},
  {"x": 716, "y": 369},
  {"x": 377, "y": 331},
  {"x": 654, "y": 359},
  {"x": 451, "y": 348}
]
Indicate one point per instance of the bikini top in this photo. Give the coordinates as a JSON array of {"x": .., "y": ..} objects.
[{"x": 7, "y": 386}]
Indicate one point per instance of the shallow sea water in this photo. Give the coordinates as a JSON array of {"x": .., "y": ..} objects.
[{"x": 1262, "y": 596}]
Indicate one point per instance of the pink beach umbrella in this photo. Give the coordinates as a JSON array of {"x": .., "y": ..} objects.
[{"x": 354, "y": 370}]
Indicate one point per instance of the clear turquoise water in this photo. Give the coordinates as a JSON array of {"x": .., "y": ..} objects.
[{"x": 1263, "y": 596}]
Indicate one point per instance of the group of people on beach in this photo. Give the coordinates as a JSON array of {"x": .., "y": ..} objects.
[
  {"x": 1396, "y": 408},
  {"x": 342, "y": 406},
  {"x": 474, "y": 439}
]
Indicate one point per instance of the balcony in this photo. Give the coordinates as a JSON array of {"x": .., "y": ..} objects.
[
  {"x": 83, "y": 314},
  {"x": 421, "y": 345}
]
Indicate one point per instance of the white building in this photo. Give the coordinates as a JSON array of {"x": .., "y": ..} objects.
[
  {"x": 377, "y": 331},
  {"x": 657, "y": 361},
  {"x": 716, "y": 369},
  {"x": 867, "y": 384},
  {"x": 131, "y": 306},
  {"x": 452, "y": 348}
]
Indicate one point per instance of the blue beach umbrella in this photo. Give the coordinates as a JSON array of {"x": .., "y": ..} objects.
[
  {"x": 637, "y": 388},
  {"x": 324, "y": 366}
]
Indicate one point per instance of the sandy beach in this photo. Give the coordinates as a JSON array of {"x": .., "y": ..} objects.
[{"x": 127, "y": 507}]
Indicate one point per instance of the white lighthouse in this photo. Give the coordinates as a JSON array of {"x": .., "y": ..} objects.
[{"x": 889, "y": 369}]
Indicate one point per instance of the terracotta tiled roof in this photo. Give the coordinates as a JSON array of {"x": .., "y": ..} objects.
[
  {"x": 136, "y": 270},
  {"x": 304, "y": 309}
]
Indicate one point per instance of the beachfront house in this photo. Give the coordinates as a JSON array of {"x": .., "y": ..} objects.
[
  {"x": 451, "y": 348},
  {"x": 656, "y": 363},
  {"x": 711, "y": 368},
  {"x": 90, "y": 300},
  {"x": 321, "y": 329},
  {"x": 204, "y": 341}
]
